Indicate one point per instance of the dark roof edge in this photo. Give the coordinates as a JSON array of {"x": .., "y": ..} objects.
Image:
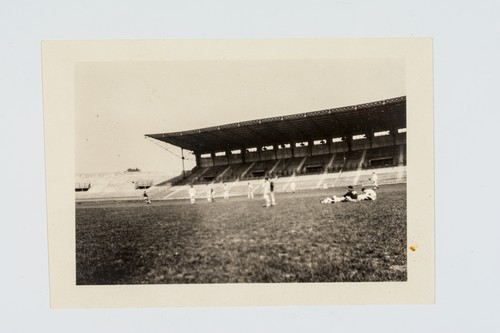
[{"x": 279, "y": 118}]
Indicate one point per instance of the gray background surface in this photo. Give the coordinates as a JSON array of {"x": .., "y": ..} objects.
[{"x": 467, "y": 71}]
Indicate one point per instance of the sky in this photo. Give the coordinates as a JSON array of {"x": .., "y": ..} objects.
[{"x": 117, "y": 103}]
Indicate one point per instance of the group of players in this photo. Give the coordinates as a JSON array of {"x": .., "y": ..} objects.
[
  {"x": 210, "y": 193},
  {"x": 268, "y": 189},
  {"x": 352, "y": 196},
  {"x": 269, "y": 194}
]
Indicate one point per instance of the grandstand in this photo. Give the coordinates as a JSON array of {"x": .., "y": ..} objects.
[
  {"x": 318, "y": 149},
  {"x": 323, "y": 148}
]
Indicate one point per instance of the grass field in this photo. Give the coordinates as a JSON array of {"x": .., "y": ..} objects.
[{"x": 298, "y": 240}]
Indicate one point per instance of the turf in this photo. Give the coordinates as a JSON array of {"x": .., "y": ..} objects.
[{"x": 239, "y": 241}]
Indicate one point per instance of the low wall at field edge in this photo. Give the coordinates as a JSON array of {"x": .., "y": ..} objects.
[{"x": 391, "y": 175}]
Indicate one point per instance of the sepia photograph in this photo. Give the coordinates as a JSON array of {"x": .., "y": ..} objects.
[
  {"x": 315, "y": 193},
  {"x": 241, "y": 171}
]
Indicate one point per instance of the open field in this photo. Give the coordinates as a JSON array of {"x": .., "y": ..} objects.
[{"x": 237, "y": 240}]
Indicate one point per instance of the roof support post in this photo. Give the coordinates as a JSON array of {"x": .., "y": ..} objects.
[
  {"x": 228, "y": 156},
  {"x": 310, "y": 145},
  {"x": 275, "y": 147},
  {"x": 213, "y": 158},
  {"x": 348, "y": 141},
  {"x": 330, "y": 139},
  {"x": 243, "y": 154},
  {"x": 198, "y": 159},
  {"x": 370, "y": 137},
  {"x": 292, "y": 148},
  {"x": 394, "y": 132},
  {"x": 259, "y": 149}
]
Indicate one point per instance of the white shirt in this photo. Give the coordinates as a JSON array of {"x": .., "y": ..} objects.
[
  {"x": 267, "y": 187},
  {"x": 371, "y": 194}
]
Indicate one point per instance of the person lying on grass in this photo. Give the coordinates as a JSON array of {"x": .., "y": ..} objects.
[
  {"x": 352, "y": 196},
  {"x": 368, "y": 194}
]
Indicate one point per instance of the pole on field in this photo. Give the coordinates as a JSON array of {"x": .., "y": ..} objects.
[{"x": 182, "y": 157}]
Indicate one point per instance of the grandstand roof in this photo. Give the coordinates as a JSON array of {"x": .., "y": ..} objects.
[{"x": 315, "y": 125}]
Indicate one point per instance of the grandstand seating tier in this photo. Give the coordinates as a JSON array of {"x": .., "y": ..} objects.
[{"x": 385, "y": 156}]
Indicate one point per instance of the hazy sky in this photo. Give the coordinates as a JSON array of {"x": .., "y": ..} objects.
[{"x": 118, "y": 102}]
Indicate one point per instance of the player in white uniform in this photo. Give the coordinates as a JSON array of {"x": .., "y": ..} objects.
[
  {"x": 212, "y": 194},
  {"x": 292, "y": 187},
  {"x": 226, "y": 192},
  {"x": 374, "y": 179},
  {"x": 250, "y": 191},
  {"x": 209, "y": 191},
  {"x": 368, "y": 194},
  {"x": 192, "y": 194},
  {"x": 146, "y": 198},
  {"x": 271, "y": 193},
  {"x": 267, "y": 192}
]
